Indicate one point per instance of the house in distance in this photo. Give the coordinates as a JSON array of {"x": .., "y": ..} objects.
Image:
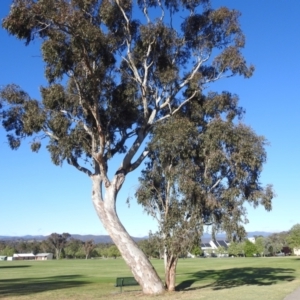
[{"x": 31, "y": 256}]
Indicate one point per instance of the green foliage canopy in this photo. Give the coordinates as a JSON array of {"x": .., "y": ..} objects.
[
  {"x": 203, "y": 166},
  {"x": 113, "y": 251},
  {"x": 293, "y": 238},
  {"x": 260, "y": 244},
  {"x": 8, "y": 251},
  {"x": 236, "y": 249},
  {"x": 114, "y": 69},
  {"x": 57, "y": 242},
  {"x": 250, "y": 249}
]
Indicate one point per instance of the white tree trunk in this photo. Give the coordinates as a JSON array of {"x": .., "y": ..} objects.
[
  {"x": 140, "y": 266},
  {"x": 57, "y": 253}
]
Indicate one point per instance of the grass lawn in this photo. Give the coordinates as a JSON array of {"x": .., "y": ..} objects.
[{"x": 209, "y": 279}]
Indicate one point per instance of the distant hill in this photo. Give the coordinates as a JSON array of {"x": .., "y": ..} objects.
[
  {"x": 22, "y": 238},
  {"x": 256, "y": 233},
  {"x": 105, "y": 239},
  {"x": 206, "y": 237}
]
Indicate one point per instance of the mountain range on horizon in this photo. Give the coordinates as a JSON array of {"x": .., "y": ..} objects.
[{"x": 106, "y": 238}]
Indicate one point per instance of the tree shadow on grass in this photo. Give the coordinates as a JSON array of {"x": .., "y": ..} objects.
[
  {"x": 27, "y": 286},
  {"x": 230, "y": 278},
  {"x": 14, "y": 267}
]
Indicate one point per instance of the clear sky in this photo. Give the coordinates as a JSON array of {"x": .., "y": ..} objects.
[{"x": 39, "y": 198}]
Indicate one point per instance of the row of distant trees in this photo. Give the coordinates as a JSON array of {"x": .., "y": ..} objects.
[
  {"x": 62, "y": 246},
  {"x": 283, "y": 242},
  {"x": 263, "y": 246}
]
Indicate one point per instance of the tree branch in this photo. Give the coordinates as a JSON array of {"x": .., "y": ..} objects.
[
  {"x": 138, "y": 161},
  {"x": 185, "y": 82},
  {"x": 126, "y": 163},
  {"x": 50, "y": 134},
  {"x": 216, "y": 184},
  {"x": 145, "y": 12},
  {"x": 178, "y": 108},
  {"x": 73, "y": 162}
]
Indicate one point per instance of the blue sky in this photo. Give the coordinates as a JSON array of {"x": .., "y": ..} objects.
[{"x": 40, "y": 198}]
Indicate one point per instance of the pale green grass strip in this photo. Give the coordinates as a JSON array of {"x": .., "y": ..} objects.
[{"x": 228, "y": 278}]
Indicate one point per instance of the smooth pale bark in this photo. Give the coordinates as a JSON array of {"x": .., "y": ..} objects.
[
  {"x": 140, "y": 266},
  {"x": 57, "y": 253},
  {"x": 170, "y": 272}
]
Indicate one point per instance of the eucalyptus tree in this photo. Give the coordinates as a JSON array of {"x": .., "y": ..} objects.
[
  {"x": 203, "y": 166},
  {"x": 260, "y": 243},
  {"x": 114, "y": 70},
  {"x": 196, "y": 250},
  {"x": 58, "y": 242},
  {"x": 73, "y": 247},
  {"x": 8, "y": 251},
  {"x": 88, "y": 247},
  {"x": 275, "y": 242},
  {"x": 236, "y": 249},
  {"x": 293, "y": 238},
  {"x": 221, "y": 251},
  {"x": 150, "y": 247},
  {"x": 113, "y": 251},
  {"x": 250, "y": 249}
]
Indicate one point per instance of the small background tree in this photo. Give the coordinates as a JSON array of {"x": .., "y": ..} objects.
[
  {"x": 260, "y": 245},
  {"x": 293, "y": 237},
  {"x": 58, "y": 242},
  {"x": 196, "y": 250},
  {"x": 249, "y": 249},
  {"x": 8, "y": 251},
  {"x": 221, "y": 251},
  {"x": 88, "y": 247},
  {"x": 275, "y": 243},
  {"x": 73, "y": 247},
  {"x": 113, "y": 251},
  {"x": 150, "y": 247}
]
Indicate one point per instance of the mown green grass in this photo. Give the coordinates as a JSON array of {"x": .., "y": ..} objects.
[{"x": 213, "y": 278}]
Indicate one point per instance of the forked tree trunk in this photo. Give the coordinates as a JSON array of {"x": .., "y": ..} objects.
[
  {"x": 140, "y": 266},
  {"x": 170, "y": 272}
]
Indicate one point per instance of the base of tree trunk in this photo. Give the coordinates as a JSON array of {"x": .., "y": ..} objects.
[{"x": 170, "y": 273}]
